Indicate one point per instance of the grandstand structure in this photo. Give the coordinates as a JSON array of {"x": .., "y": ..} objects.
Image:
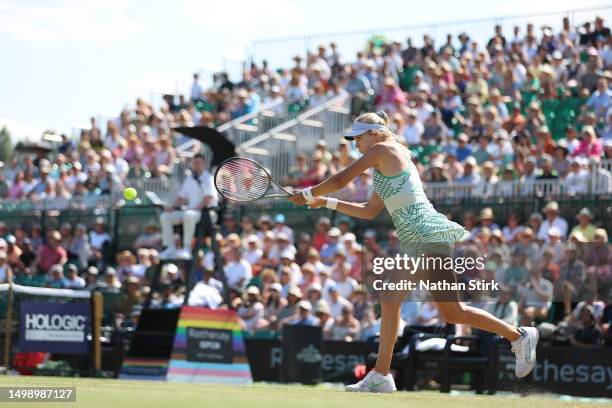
[{"x": 544, "y": 143}]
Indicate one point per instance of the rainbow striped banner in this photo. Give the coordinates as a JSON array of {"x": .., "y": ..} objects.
[{"x": 209, "y": 348}]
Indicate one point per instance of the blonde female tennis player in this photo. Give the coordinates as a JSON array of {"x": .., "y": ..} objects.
[{"x": 398, "y": 187}]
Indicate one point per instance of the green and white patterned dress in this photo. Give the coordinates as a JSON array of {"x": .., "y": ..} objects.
[{"x": 416, "y": 221}]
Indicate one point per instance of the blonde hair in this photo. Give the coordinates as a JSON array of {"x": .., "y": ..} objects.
[{"x": 377, "y": 118}]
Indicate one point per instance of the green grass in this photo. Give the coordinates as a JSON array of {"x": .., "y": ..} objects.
[{"x": 93, "y": 393}]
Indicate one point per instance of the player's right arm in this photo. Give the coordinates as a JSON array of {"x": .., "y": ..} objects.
[{"x": 367, "y": 211}]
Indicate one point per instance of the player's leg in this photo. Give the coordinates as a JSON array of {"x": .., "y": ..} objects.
[
  {"x": 389, "y": 325},
  {"x": 524, "y": 340},
  {"x": 459, "y": 313},
  {"x": 379, "y": 379}
]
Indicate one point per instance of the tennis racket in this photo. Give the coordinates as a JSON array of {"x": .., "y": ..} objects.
[{"x": 243, "y": 180}]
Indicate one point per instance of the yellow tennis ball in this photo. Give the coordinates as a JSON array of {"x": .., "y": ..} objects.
[{"x": 130, "y": 193}]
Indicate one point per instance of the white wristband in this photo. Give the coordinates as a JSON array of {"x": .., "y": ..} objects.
[
  {"x": 307, "y": 194},
  {"x": 332, "y": 203}
]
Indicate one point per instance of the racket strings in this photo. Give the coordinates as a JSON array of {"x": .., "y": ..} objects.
[{"x": 242, "y": 180}]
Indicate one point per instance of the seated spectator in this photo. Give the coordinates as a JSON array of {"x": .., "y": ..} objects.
[
  {"x": 251, "y": 312},
  {"x": 326, "y": 322},
  {"x": 589, "y": 335},
  {"x": 273, "y": 304},
  {"x": 73, "y": 280},
  {"x": 577, "y": 180},
  {"x": 51, "y": 253},
  {"x": 590, "y": 146},
  {"x": 150, "y": 237},
  {"x": 470, "y": 175},
  {"x": 6, "y": 273},
  {"x": 99, "y": 238},
  {"x": 428, "y": 315},
  {"x": 56, "y": 278},
  {"x": 518, "y": 269},
  {"x": 304, "y": 316},
  {"x": 536, "y": 298},
  {"x": 297, "y": 173},
  {"x": 336, "y": 301},
  {"x": 346, "y": 327},
  {"x": 237, "y": 270},
  {"x": 551, "y": 210},
  {"x": 505, "y": 308},
  {"x": 78, "y": 247}
]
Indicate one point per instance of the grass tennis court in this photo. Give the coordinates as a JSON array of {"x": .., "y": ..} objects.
[{"x": 93, "y": 393}]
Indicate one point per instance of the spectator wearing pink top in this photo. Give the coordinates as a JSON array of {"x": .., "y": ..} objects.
[
  {"x": 590, "y": 146},
  {"x": 390, "y": 96},
  {"x": 17, "y": 189}
]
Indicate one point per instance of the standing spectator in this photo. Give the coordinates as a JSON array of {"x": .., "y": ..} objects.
[
  {"x": 196, "y": 193},
  {"x": 196, "y": 89}
]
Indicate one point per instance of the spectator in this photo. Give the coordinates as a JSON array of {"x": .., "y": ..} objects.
[
  {"x": 251, "y": 313},
  {"x": 551, "y": 210},
  {"x": 536, "y": 298},
  {"x": 589, "y": 335},
  {"x": 237, "y": 270},
  {"x": 326, "y": 322},
  {"x": 6, "y": 273},
  {"x": 346, "y": 327},
  {"x": 51, "y": 253},
  {"x": 56, "y": 277},
  {"x": 304, "y": 317},
  {"x": 73, "y": 280},
  {"x": 336, "y": 302},
  {"x": 584, "y": 226}
]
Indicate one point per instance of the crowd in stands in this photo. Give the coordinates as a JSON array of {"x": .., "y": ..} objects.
[
  {"x": 536, "y": 105},
  {"x": 551, "y": 274}
]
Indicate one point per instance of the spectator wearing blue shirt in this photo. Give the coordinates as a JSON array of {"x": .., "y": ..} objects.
[
  {"x": 469, "y": 176},
  {"x": 304, "y": 316},
  {"x": 331, "y": 248},
  {"x": 56, "y": 277},
  {"x": 463, "y": 150},
  {"x": 601, "y": 100},
  {"x": 244, "y": 104}
]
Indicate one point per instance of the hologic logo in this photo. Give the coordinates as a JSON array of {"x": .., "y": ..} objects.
[
  {"x": 309, "y": 355},
  {"x": 43, "y": 321}
]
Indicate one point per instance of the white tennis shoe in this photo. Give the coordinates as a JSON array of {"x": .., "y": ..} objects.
[
  {"x": 374, "y": 382},
  {"x": 525, "y": 351}
]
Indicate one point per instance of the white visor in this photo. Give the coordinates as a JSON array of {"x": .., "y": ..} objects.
[{"x": 359, "y": 128}]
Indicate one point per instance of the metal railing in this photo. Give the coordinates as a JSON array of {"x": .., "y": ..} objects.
[
  {"x": 60, "y": 204},
  {"x": 277, "y": 148},
  {"x": 280, "y": 51},
  {"x": 241, "y": 129}
]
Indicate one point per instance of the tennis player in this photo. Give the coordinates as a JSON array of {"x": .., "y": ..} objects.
[{"x": 398, "y": 187}]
